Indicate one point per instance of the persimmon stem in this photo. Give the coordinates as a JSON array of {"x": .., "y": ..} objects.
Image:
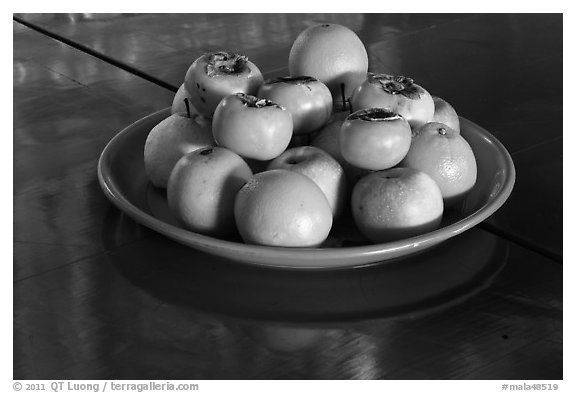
[
  {"x": 342, "y": 89},
  {"x": 187, "y": 107}
]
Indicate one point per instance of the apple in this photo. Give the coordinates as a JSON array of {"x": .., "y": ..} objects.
[
  {"x": 282, "y": 208},
  {"x": 446, "y": 114},
  {"x": 397, "y": 93},
  {"x": 178, "y": 104},
  {"x": 333, "y": 54},
  {"x": 215, "y": 75},
  {"x": 321, "y": 168},
  {"x": 306, "y": 98},
  {"x": 396, "y": 204},
  {"x": 252, "y": 127},
  {"x": 202, "y": 189},
  {"x": 374, "y": 138},
  {"x": 169, "y": 140}
]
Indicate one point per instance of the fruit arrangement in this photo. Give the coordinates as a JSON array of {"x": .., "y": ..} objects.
[{"x": 279, "y": 161}]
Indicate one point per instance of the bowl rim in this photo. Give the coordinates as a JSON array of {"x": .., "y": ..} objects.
[{"x": 347, "y": 257}]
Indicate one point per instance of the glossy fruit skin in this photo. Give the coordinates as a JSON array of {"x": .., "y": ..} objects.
[
  {"x": 282, "y": 208},
  {"x": 178, "y": 105},
  {"x": 202, "y": 189},
  {"x": 171, "y": 139},
  {"x": 207, "y": 88},
  {"x": 374, "y": 144},
  {"x": 260, "y": 133},
  {"x": 446, "y": 114},
  {"x": 306, "y": 98},
  {"x": 395, "y": 204},
  {"x": 445, "y": 156},
  {"x": 414, "y": 104},
  {"x": 328, "y": 139},
  {"x": 321, "y": 168},
  {"x": 332, "y": 53}
]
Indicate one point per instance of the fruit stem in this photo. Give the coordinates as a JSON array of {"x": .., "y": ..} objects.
[
  {"x": 374, "y": 114},
  {"x": 342, "y": 89},
  {"x": 225, "y": 63},
  {"x": 187, "y": 107},
  {"x": 350, "y": 106}
]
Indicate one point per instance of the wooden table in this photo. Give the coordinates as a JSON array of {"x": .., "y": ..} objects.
[{"x": 97, "y": 296}]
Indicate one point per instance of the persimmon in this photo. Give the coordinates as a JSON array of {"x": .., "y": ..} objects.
[
  {"x": 397, "y": 93},
  {"x": 253, "y": 127},
  {"x": 216, "y": 75},
  {"x": 374, "y": 138},
  {"x": 306, "y": 98}
]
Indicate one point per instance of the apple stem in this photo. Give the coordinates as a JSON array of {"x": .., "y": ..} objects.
[
  {"x": 342, "y": 89},
  {"x": 187, "y": 107},
  {"x": 350, "y": 106}
]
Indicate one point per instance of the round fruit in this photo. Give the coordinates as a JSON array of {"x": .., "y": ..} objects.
[
  {"x": 397, "y": 93},
  {"x": 447, "y": 157},
  {"x": 306, "y": 98},
  {"x": 282, "y": 208},
  {"x": 396, "y": 204},
  {"x": 374, "y": 138},
  {"x": 202, "y": 188},
  {"x": 321, "y": 168},
  {"x": 331, "y": 53},
  {"x": 169, "y": 140},
  {"x": 252, "y": 127},
  {"x": 328, "y": 139},
  {"x": 178, "y": 105},
  {"x": 444, "y": 113},
  {"x": 215, "y": 75}
]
